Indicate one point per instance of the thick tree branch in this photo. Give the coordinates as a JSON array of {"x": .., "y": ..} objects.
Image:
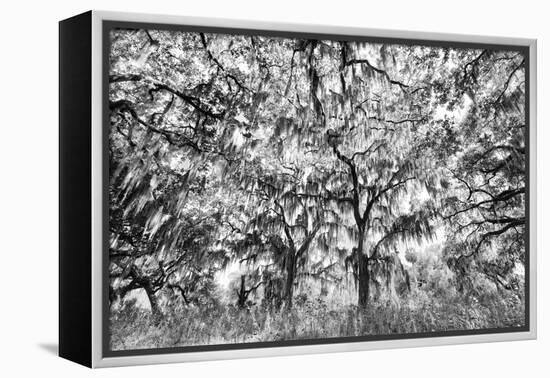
[{"x": 401, "y": 85}]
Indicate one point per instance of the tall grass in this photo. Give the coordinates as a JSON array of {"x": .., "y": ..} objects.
[{"x": 133, "y": 327}]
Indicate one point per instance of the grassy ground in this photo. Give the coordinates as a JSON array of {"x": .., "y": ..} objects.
[{"x": 135, "y": 328}]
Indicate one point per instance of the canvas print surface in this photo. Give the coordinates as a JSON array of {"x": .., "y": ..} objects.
[{"x": 267, "y": 189}]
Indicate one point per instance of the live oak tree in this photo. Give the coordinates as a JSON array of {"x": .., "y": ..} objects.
[
  {"x": 361, "y": 122},
  {"x": 486, "y": 170},
  {"x": 291, "y": 221},
  {"x": 163, "y": 147}
]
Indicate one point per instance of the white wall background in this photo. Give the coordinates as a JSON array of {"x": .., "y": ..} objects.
[{"x": 28, "y": 185}]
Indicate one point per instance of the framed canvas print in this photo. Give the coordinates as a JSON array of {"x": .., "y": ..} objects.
[{"x": 233, "y": 189}]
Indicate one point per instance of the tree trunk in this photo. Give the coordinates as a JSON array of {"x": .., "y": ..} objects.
[
  {"x": 242, "y": 293},
  {"x": 153, "y": 300},
  {"x": 290, "y": 273},
  {"x": 362, "y": 273},
  {"x": 364, "y": 278}
]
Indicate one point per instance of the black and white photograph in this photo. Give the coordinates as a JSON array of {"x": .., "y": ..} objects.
[{"x": 268, "y": 188}]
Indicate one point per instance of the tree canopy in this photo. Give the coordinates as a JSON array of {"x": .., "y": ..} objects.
[{"x": 297, "y": 162}]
